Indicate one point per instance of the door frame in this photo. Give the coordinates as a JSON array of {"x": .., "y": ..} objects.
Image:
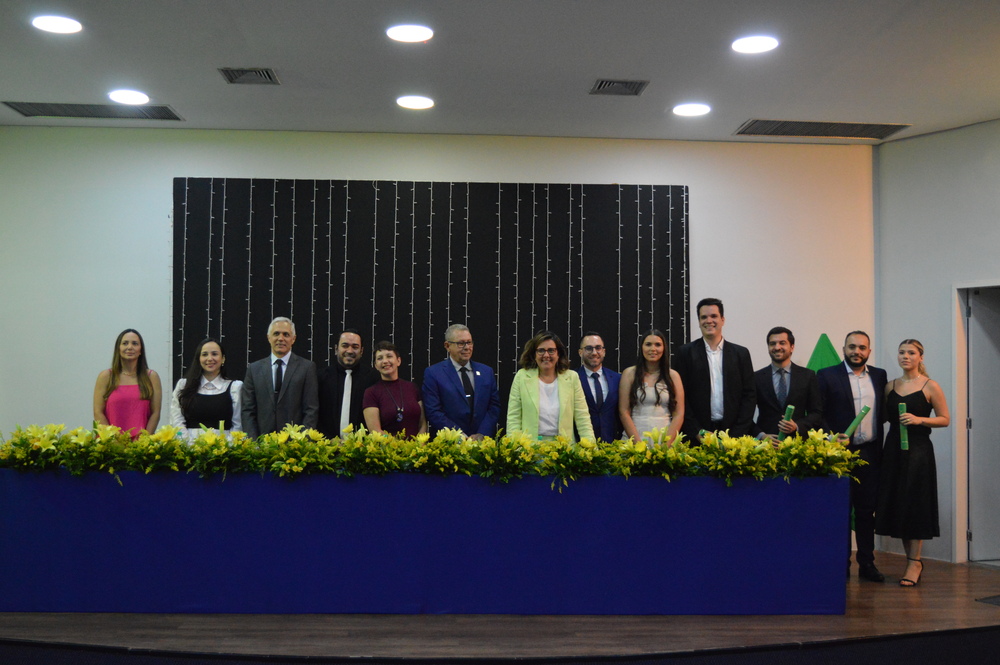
[{"x": 960, "y": 414}]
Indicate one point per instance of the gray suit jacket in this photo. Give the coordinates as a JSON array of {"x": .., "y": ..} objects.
[{"x": 298, "y": 403}]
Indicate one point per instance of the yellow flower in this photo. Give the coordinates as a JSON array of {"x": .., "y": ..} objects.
[
  {"x": 107, "y": 432},
  {"x": 81, "y": 436},
  {"x": 165, "y": 433},
  {"x": 209, "y": 437}
]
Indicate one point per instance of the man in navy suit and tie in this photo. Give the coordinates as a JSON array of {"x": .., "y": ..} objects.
[
  {"x": 600, "y": 385},
  {"x": 458, "y": 393},
  {"x": 845, "y": 389},
  {"x": 783, "y": 383},
  {"x": 281, "y": 389},
  {"x": 719, "y": 389}
]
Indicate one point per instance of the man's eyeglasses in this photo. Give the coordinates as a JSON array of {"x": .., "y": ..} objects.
[
  {"x": 591, "y": 349},
  {"x": 463, "y": 344}
]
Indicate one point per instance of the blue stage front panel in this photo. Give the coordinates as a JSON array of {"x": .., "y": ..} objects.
[{"x": 420, "y": 544}]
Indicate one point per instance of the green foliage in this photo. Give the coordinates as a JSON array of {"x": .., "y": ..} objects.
[
  {"x": 636, "y": 458},
  {"x": 295, "y": 451}
]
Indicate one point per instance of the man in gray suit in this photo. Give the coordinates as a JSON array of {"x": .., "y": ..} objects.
[{"x": 280, "y": 389}]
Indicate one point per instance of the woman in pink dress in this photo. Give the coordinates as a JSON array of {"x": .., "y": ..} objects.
[{"x": 128, "y": 395}]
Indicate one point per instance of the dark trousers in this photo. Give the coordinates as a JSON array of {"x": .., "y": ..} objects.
[{"x": 864, "y": 498}]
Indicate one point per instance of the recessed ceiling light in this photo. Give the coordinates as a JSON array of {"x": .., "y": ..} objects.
[
  {"x": 755, "y": 44},
  {"x": 410, "y": 33},
  {"x": 415, "y": 102},
  {"x": 133, "y": 97},
  {"x": 59, "y": 24},
  {"x": 692, "y": 109}
]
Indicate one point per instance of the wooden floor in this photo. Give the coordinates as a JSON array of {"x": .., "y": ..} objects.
[{"x": 944, "y": 600}]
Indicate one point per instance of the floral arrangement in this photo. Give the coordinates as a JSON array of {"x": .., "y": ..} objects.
[{"x": 296, "y": 451}]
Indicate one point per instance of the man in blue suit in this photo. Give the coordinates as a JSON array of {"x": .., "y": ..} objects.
[
  {"x": 458, "y": 393},
  {"x": 845, "y": 389},
  {"x": 600, "y": 385}
]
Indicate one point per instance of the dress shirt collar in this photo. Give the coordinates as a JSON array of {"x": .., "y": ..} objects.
[
  {"x": 708, "y": 349},
  {"x": 218, "y": 383},
  {"x": 287, "y": 358},
  {"x": 850, "y": 370},
  {"x": 458, "y": 367}
]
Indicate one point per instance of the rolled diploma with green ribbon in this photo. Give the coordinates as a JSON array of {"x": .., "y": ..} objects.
[
  {"x": 789, "y": 410},
  {"x": 904, "y": 439},
  {"x": 857, "y": 421}
]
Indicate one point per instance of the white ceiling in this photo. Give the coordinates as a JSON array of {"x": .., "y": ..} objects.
[{"x": 514, "y": 67}]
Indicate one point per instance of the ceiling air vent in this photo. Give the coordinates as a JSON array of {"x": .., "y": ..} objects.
[
  {"x": 251, "y": 76},
  {"x": 621, "y": 88},
  {"x": 98, "y": 111},
  {"x": 826, "y": 130}
]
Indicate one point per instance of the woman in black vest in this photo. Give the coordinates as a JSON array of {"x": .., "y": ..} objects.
[{"x": 205, "y": 396}]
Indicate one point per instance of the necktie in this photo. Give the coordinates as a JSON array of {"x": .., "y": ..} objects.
[
  {"x": 345, "y": 402},
  {"x": 598, "y": 391},
  {"x": 469, "y": 395},
  {"x": 782, "y": 391},
  {"x": 277, "y": 375},
  {"x": 467, "y": 384}
]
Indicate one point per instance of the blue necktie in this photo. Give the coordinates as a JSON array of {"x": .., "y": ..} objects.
[
  {"x": 782, "y": 391},
  {"x": 598, "y": 391}
]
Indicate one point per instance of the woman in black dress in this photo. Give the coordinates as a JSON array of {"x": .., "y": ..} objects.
[
  {"x": 907, "y": 502},
  {"x": 205, "y": 396}
]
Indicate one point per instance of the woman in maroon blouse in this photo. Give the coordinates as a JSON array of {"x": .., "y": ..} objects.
[{"x": 393, "y": 405}]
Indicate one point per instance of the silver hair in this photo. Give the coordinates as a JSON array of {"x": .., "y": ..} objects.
[
  {"x": 454, "y": 328},
  {"x": 280, "y": 319}
]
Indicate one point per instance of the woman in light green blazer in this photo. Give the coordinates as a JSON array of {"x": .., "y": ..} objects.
[{"x": 546, "y": 399}]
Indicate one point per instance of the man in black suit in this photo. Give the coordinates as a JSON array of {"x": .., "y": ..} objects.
[
  {"x": 783, "y": 383},
  {"x": 601, "y": 390},
  {"x": 718, "y": 378},
  {"x": 281, "y": 389},
  {"x": 845, "y": 389},
  {"x": 342, "y": 386}
]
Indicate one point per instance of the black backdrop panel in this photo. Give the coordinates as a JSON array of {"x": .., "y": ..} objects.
[{"x": 403, "y": 260}]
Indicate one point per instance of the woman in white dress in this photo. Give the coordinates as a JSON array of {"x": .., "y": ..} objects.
[{"x": 651, "y": 396}]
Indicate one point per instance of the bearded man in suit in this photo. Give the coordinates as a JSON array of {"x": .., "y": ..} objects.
[
  {"x": 342, "y": 386},
  {"x": 600, "y": 385},
  {"x": 783, "y": 383},
  {"x": 846, "y": 388}
]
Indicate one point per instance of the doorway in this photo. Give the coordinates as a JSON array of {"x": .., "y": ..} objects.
[{"x": 983, "y": 330}]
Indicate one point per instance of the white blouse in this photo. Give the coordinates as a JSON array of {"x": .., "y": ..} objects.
[{"x": 548, "y": 408}]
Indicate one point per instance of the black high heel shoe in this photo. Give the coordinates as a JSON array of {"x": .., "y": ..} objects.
[{"x": 908, "y": 583}]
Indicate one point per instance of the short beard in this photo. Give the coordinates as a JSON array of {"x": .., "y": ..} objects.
[{"x": 853, "y": 365}]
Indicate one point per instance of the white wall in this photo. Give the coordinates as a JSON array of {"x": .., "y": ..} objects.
[
  {"x": 938, "y": 225},
  {"x": 782, "y": 233}
]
